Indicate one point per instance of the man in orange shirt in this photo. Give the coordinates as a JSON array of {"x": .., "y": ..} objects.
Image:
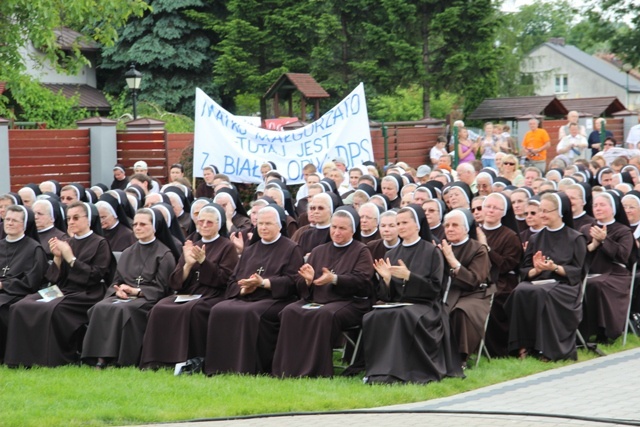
[{"x": 535, "y": 144}]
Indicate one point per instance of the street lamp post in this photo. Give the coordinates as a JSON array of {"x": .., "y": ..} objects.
[
  {"x": 627, "y": 68},
  {"x": 134, "y": 78}
]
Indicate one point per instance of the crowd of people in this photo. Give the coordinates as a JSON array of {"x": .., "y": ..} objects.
[{"x": 417, "y": 265}]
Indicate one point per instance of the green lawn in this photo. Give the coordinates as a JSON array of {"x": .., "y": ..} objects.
[{"x": 74, "y": 396}]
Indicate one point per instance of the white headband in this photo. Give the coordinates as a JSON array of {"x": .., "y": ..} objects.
[
  {"x": 271, "y": 208},
  {"x": 107, "y": 206}
]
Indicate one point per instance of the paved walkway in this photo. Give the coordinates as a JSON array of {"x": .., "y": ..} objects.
[{"x": 599, "y": 392}]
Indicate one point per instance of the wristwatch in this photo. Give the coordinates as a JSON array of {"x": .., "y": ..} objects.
[
  {"x": 73, "y": 261},
  {"x": 452, "y": 271}
]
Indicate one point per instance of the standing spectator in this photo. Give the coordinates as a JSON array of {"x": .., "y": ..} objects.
[
  {"x": 489, "y": 146},
  {"x": 572, "y": 117},
  {"x": 574, "y": 145},
  {"x": 594, "y": 137},
  {"x": 535, "y": 144}
]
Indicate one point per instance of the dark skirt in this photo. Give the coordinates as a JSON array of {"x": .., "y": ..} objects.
[
  {"x": 409, "y": 344},
  {"x": 300, "y": 353}
]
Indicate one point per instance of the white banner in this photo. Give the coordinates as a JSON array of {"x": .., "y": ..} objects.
[{"x": 238, "y": 149}]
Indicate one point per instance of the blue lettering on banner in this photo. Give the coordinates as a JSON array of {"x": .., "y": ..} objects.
[
  {"x": 227, "y": 140},
  {"x": 237, "y": 166}
]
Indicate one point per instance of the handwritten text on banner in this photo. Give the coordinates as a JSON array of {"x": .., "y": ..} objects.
[{"x": 238, "y": 148}]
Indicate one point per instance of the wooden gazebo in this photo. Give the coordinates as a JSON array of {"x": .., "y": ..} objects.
[{"x": 284, "y": 88}]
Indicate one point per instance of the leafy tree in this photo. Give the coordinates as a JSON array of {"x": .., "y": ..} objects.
[
  {"x": 626, "y": 41},
  {"x": 453, "y": 43},
  {"x": 28, "y": 21},
  {"x": 36, "y": 103},
  {"x": 170, "y": 48}
]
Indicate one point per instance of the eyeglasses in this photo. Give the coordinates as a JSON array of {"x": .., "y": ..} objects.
[
  {"x": 432, "y": 210},
  {"x": 509, "y": 163},
  {"x": 75, "y": 217},
  {"x": 531, "y": 213},
  {"x": 316, "y": 208},
  {"x": 206, "y": 222},
  {"x": 477, "y": 209}
]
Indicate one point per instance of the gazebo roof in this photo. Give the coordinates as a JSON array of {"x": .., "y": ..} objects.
[
  {"x": 604, "y": 105},
  {"x": 292, "y": 82},
  {"x": 510, "y": 108}
]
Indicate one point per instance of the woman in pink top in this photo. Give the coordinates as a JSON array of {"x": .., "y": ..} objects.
[{"x": 466, "y": 148}]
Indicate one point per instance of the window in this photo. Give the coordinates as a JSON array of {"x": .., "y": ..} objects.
[{"x": 562, "y": 83}]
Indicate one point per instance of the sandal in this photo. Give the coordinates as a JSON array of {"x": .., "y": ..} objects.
[{"x": 523, "y": 353}]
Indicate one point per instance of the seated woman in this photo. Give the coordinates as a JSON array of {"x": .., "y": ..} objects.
[
  {"x": 534, "y": 222},
  {"x": 117, "y": 323},
  {"x": 469, "y": 296},
  {"x": 23, "y": 263},
  {"x": 178, "y": 331},
  {"x": 115, "y": 224},
  {"x": 435, "y": 210},
  {"x": 519, "y": 200},
  {"x": 388, "y": 233},
  {"x": 335, "y": 287},
  {"x": 410, "y": 343},
  {"x": 610, "y": 244},
  {"x": 50, "y": 223},
  {"x": 544, "y": 316},
  {"x": 580, "y": 197},
  {"x": 510, "y": 170},
  {"x": 499, "y": 233},
  {"x": 80, "y": 268},
  {"x": 243, "y": 330},
  {"x": 237, "y": 218}
]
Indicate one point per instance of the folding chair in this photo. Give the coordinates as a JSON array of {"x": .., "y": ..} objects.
[
  {"x": 349, "y": 341},
  {"x": 483, "y": 347},
  {"x": 628, "y": 323},
  {"x": 583, "y": 297}
]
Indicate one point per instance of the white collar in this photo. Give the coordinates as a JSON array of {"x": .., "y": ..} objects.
[
  {"x": 580, "y": 215},
  {"x": 461, "y": 243},
  {"x": 606, "y": 223},
  {"x": 46, "y": 229},
  {"x": 533, "y": 230},
  {"x": 114, "y": 225},
  {"x": 322, "y": 227},
  {"x": 274, "y": 240},
  {"x": 556, "y": 229},
  {"x": 149, "y": 242},
  {"x": 391, "y": 247},
  {"x": 83, "y": 237},
  {"x": 435, "y": 226},
  {"x": 369, "y": 235},
  {"x": 16, "y": 240},
  {"x": 406, "y": 244},
  {"x": 343, "y": 246},
  {"x": 521, "y": 218},
  {"x": 492, "y": 228},
  {"x": 211, "y": 240}
]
